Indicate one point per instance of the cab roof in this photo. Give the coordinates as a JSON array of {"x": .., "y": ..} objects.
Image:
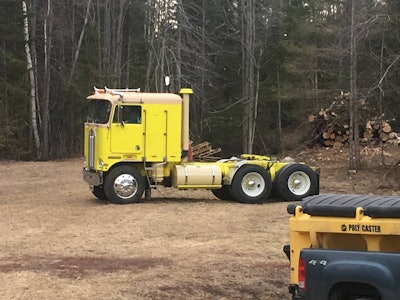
[{"x": 135, "y": 96}]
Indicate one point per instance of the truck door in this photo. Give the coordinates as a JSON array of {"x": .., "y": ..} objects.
[
  {"x": 155, "y": 133},
  {"x": 127, "y": 129}
]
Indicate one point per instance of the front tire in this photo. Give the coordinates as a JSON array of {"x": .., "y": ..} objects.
[
  {"x": 124, "y": 184},
  {"x": 251, "y": 184},
  {"x": 98, "y": 192},
  {"x": 296, "y": 181}
]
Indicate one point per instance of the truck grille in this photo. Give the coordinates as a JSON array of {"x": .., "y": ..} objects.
[{"x": 91, "y": 148}]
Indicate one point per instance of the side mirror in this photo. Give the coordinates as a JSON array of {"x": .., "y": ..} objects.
[{"x": 120, "y": 120}]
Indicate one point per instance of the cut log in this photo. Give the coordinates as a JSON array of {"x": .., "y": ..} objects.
[
  {"x": 339, "y": 139},
  {"x": 322, "y": 113},
  {"x": 337, "y": 145},
  {"x": 329, "y": 143},
  {"x": 392, "y": 135},
  {"x": 375, "y": 125},
  {"x": 386, "y": 128},
  {"x": 383, "y": 137},
  {"x": 394, "y": 142},
  {"x": 368, "y": 134}
]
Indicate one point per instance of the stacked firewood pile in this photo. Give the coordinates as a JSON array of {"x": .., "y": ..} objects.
[
  {"x": 331, "y": 126},
  {"x": 380, "y": 131},
  {"x": 329, "y": 132}
]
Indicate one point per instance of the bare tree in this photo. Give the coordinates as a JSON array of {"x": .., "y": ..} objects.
[
  {"x": 32, "y": 79},
  {"x": 47, "y": 30},
  {"x": 354, "y": 149},
  {"x": 78, "y": 47},
  {"x": 249, "y": 76},
  {"x": 161, "y": 31}
]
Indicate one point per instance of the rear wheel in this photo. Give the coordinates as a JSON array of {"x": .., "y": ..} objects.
[
  {"x": 354, "y": 292},
  {"x": 124, "y": 184},
  {"x": 296, "y": 181},
  {"x": 222, "y": 193},
  {"x": 251, "y": 184}
]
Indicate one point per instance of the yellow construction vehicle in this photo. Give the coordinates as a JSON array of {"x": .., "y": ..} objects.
[{"x": 136, "y": 141}]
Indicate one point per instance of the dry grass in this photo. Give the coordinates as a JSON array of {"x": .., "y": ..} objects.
[{"x": 59, "y": 242}]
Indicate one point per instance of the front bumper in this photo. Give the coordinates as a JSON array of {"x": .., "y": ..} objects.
[{"x": 92, "y": 177}]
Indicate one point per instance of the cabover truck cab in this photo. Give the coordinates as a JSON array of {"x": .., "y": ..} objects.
[
  {"x": 135, "y": 141},
  {"x": 345, "y": 247}
]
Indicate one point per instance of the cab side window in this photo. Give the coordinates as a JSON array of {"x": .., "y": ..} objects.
[{"x": 128, "y": 114}]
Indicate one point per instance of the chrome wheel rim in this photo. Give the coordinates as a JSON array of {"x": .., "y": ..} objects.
[{"x": 125, "y": 186}]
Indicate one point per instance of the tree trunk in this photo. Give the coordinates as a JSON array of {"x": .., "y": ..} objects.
[
  {"x": 248, "y": 36},
  {"x": 354, "y": 149},
  {"x": 99, "y": 34},
  {"x": 78, "y": 47},
  {"x": 179, "y": 48},
  {"x": 32, "y": 79},
  {"x": 119, "y": 42},
  {"x": 47, "y": 80}
]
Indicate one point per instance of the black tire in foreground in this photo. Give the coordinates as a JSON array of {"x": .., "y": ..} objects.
[
  {"x": 98, "y": 192},
  {"x": 124, "y": 184},
  {"x": 223, "y": 193},
  {"x": 295, "y": 181},
  {"x": 349, "y": 291},
  {"x": 251, "y": 184}
]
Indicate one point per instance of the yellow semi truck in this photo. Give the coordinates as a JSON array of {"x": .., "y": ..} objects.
[
  {"x": 136, "y": 141},
  {"x": 344, "y": 247}
]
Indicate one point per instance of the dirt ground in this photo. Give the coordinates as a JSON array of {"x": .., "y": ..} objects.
[{"x": 59, "y": 242}]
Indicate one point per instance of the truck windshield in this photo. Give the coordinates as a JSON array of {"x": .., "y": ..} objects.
[{"x": 98, "y": 111}]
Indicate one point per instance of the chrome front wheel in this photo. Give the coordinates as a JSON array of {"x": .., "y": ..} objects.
[{"x": 124, "y": 184}]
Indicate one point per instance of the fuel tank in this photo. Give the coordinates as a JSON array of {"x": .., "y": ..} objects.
[{"x": 201, "y": 175}]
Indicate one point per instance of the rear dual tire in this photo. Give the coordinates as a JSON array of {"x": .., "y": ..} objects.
[
  {"x": 295, "y": 181},
  {"x": 251, "y": 184}
]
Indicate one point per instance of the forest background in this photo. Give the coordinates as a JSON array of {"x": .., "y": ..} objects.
[{"x": 258, "y": 68}]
